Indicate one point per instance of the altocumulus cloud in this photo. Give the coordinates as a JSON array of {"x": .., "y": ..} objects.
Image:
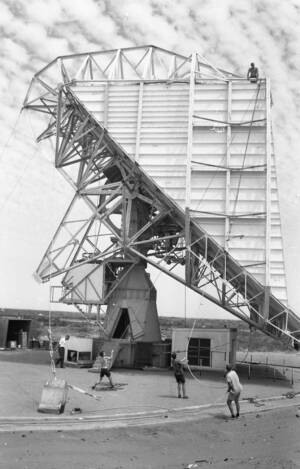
[{"x": 229, "y": 33}]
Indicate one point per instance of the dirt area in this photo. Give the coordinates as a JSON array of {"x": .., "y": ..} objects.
[
  {"x": 265, "y": 436},
  {"x": 261, "y": 440}
]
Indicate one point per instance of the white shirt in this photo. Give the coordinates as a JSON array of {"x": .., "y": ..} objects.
[
  {"x": 233, "y": 379},
  {"x": 62, "y": 342}
]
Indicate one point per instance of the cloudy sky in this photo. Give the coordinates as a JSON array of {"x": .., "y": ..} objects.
[{"x": 228, "y": 33}]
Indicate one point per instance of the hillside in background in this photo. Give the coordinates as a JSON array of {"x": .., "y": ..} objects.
[{"x": 74, "y": 324}]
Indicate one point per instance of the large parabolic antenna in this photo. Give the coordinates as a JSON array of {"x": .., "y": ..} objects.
[{"x": 172, "y": 163}]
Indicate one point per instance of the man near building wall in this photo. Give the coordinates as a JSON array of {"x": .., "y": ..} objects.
[{"x": 61, "y": 351}]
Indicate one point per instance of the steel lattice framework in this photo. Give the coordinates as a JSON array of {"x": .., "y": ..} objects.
[{"x": 120, "y": 216}]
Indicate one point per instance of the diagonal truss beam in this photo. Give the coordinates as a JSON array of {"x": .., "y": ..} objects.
[{"x": 120, "y": 213}]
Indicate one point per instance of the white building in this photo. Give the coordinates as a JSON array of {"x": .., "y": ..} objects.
[
  {"x": 78, "y": 351},
  {"x": 205, "y": 348}
]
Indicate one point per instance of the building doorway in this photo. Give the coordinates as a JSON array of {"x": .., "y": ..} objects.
[{"x": 123, "y": 329}]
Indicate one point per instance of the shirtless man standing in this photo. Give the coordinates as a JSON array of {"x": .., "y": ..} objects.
[
  {"x": 105, "y": 363},
  {"x": 234, "y": 390},
  {"x": 178, "y": 368}
]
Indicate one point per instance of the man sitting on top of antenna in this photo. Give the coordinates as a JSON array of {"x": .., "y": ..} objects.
[{"x": 252, "y": 74}]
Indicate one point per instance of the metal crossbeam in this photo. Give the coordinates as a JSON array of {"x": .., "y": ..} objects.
[{"x": 119, "y": 215}]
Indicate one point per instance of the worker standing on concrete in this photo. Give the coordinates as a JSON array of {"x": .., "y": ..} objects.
[
  {"x": 234, "y": 390},
  {"x": 104, "y": 364},
  {"x": 61, "y": 351},
  {"x": 179, "y": 375},
  {"x": 252, "y": 74}
]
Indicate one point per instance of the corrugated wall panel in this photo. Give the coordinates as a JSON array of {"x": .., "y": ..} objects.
[{"x": 228, "y": 173}]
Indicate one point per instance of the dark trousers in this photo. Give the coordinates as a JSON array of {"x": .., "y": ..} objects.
[{"x": 61, "y": 358}]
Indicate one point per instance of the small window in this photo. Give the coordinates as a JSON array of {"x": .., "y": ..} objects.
[
  {"x": 85, "y": 356},
  {"x": 199, "y": 352},
  {"x": 72, "y": 356}
]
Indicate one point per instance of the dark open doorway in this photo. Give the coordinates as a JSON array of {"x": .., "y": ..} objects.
[
  {"x": 18, "y": 332},
  {"x": 123, "y": 329}
]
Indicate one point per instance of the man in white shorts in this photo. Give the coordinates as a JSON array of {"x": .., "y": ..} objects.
[{"x": 234, "y": 390}]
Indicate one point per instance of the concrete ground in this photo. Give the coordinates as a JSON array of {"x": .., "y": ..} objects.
[
  {"x": 142, "y": 424},
  {"x": 144, "y": 396}
]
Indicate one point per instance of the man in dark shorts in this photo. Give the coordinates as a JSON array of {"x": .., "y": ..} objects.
[
  {"x": 179, "y": 375},
  {"x": 104, "y": 363}
]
